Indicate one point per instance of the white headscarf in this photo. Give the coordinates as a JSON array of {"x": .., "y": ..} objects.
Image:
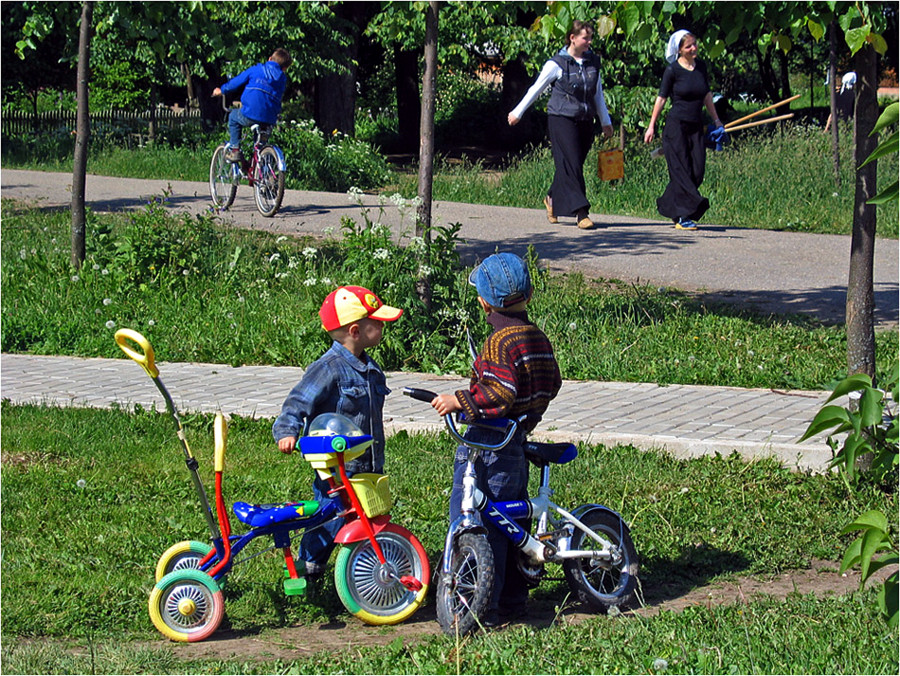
[{"x": 674, "y": 43}]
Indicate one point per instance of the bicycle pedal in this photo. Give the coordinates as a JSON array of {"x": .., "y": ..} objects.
[{"x": 551, "y": 535}]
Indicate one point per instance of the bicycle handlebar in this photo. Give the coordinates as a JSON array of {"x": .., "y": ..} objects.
[{"x": 512, "y": 426}]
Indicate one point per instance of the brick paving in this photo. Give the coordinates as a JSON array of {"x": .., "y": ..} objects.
[{"x": 684, "y": 420}]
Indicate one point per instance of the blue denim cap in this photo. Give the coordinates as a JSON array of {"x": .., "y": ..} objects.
[{"x": 502, "y": 280}]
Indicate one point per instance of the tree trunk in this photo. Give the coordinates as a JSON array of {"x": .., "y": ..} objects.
[
  {"x": 515, "y": 84},
  {"x": 426, "y": 146},
  {"x": 154, "y": 102},
  {"x": 409, "y": 111},
  {"x": 784, "y": 76},
  {"x": 767, "y": 74},
  {"x": 335, "y": 101},
  {"x": 832, "y": 102},
  {"x": 426, "y": 135},
  {"x": 860, "y": 286},
  {"x": 82, "y": 136}
]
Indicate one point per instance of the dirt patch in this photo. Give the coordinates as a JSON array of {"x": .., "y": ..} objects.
[{"x": 291, "y": 643}]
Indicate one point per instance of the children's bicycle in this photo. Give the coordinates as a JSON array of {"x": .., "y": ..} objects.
[
  {"x": 381, "y": 572},
  {"x": 264, "y": 172},
  {"x": 592, "y": 542}
]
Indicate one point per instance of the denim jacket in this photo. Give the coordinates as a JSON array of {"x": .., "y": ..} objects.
[{"x": 339, "y": 382}]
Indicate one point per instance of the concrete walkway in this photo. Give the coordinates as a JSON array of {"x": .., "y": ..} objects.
[
  {"x": 777, "y": 272},
  {"x": 687, "y": 421}
]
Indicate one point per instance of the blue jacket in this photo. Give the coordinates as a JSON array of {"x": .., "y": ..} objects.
[
  {"x": 338, "y": 382},
  {"x": 263, "y": 88}
]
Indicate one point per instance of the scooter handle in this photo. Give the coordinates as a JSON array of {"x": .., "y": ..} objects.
[{"x": 144, "y": 358}]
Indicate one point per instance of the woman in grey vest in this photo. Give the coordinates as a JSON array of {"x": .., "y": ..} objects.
[{"x": 576, "y": 98}]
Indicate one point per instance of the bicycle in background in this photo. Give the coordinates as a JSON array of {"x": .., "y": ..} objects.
[{"x": 264, "y": 171}]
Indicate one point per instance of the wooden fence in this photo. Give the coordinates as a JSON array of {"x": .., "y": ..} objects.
[{"x": 17, "y": 122}]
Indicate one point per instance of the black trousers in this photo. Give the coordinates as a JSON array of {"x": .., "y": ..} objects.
[
  {"x": 685, "y": 149},
  {"x": 570, "y": 142}
]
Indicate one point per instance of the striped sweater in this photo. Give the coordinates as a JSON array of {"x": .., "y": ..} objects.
[{"x": 515, "y": 374}]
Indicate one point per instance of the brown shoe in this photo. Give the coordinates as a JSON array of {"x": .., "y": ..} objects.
[
  {"x": 549, "y": 205},
  {"x": 584, "y": 221}
]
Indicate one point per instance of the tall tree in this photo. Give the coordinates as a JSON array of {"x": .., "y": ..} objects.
[{"x": 82, "y": 136}]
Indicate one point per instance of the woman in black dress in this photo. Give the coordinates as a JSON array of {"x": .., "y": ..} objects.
[
  {"x": 576, "y": 98},
  {"x": 686, "y": 82}
]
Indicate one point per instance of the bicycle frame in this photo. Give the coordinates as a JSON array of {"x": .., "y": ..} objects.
[{"x": 503, "y": 515}]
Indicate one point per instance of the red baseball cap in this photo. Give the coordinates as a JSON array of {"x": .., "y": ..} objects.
[{"x": 349, "y": 304}]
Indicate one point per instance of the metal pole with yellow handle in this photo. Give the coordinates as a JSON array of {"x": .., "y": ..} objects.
[{"x": 139, "y": 349}]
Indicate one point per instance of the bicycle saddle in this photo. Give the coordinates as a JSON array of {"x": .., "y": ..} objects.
[
  {"x": 264, "y": 515},
  {"x": 543, "y": 454}
]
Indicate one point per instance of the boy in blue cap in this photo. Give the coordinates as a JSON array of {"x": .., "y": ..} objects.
[
  {"x": 516, "y": 374},
  {"x": 263, "y": 86}
]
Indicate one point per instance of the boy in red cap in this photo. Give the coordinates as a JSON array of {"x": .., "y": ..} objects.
[{"x": 344, "y": 380}]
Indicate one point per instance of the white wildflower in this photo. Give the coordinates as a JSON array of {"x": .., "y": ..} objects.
[
  {"x": 329, "y": 230},
  {"x": 107, "y": 301},
  {"x": 104, "y": 271},
  {"x": 280, "y": 238},
  {"x": 381, "y": 254},
  {"x": 274, "y": 257},
  {"x": 96, "y": 266},
  {"x": 185, "y": 272},
  {"x": 425, "y": 270},
  {"x": 573, "y": 326},
  {"x": 310, "y": 281},
  {"x": 110, "y": 324},
  {"x": 74, "y": 278},
  {"x": 309, "y": 252},
  {"x": 151, "y": 323},
  {"x": 23, "y": 254},
  {"x": 81, "y": 483},
  {"x": 327, "y": 281},
  {"x": 659, "y": 664}
]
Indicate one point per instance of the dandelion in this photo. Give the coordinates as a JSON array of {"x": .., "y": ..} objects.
[
  {"x": 684, "y": 490},
  {"x": 151, "y": 323},
  {"x": 23, "y": 254},
  {"x": 74, "y": 278},
  {"x": 309, "y": 252},
  {"x": 381, "y": 254},
  {"x": 104, "y": 271},
  {"x": 110, "y": 324},
  {"x": 97, "y": 311},
  {"x": 659, "y": 664},
  {"x": 107, "y": 301},
  {"x": 185, "y": 272},
  {"x": 81, "y": 483},
  {"x": 96, "y": 266},
  {"x": 573, "y": 326}
]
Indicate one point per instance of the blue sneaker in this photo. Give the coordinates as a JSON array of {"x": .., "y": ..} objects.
[{"x": 685, "y": 224}]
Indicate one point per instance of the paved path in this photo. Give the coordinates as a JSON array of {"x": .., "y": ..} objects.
[
  {"x": 770, "y": 271},
  {"x": 773, "y": 271},
  {"x": 687, "y": 421}
]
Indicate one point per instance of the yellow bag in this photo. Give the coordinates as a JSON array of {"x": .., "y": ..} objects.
[{"x": 610, "y": 164}]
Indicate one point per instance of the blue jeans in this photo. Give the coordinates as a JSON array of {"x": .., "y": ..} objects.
[
  {"x": 317, "y": 545},
  {"x": 502, "y": 476},
  {"x": 236, "y": 122}
]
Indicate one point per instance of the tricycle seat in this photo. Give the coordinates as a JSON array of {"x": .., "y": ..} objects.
[
  {"x": 542, "y": 453},
  {"x": 265, "y": 515}
]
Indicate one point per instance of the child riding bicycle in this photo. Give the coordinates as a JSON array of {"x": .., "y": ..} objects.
[
  {"x": 516, "y": 374},
  {"x": 263, "y": 86}
]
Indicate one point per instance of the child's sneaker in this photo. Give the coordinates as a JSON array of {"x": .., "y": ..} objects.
[
  {"x": 233, "y": 155},
  {"x": 685, "y": 224}
]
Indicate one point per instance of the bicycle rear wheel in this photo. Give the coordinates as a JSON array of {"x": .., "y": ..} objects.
[
  {"x": 603, "y": 584},
  {"x": 463, "y": 599},
  {"x": 222, "y": 183},
  {"x": 269, "y": 183}
]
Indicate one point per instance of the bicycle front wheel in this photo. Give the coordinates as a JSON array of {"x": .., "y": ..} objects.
[
  {"x": 269, "y": 183},
  {"x": 602, "y": 583},
  {"x": 222, "y": 185},
  {"x": 463, "y": 598},
  {"x": 372, "y": 591}
]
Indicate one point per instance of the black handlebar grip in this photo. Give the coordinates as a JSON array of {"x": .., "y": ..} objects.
[{"x": 421, "y": 395}]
